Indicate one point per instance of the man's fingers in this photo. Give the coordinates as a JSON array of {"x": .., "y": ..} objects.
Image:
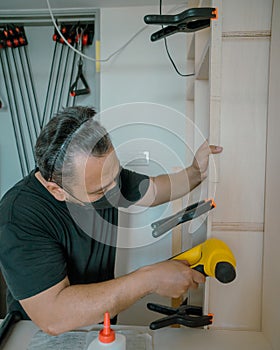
[
  {"x": 198, "y": 277},
  {"x": 215, "y": 149}
]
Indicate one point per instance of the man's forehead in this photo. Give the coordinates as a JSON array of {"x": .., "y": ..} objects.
[{"x": 97, "y": 169}]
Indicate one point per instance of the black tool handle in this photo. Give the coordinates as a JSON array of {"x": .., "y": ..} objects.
[
  {"x": 181, "y": 212},
  {"x": 194, "y": 211},
  {"x": 186, "y": 16},
  {"x": 10, "y": 319},
  {"x": 163, "y": 309},
  {"x": 184, "y": 320}
]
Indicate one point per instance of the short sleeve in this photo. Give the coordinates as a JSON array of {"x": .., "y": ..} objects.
[
  {"x": 133, "y": 187},
  {"x": 31, "y": 260}
]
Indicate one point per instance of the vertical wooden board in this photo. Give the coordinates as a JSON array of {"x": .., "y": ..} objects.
[
  {"x": 237, "y": 305},
  {"x": 201, "y": 112},
  {"x": 271, "y": 281},
  {"x": 176, "y": 243},
  {"x": 240, "y": 193}
]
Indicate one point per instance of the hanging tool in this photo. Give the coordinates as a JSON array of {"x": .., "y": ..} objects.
[
  {"x": 191, "y": 212},
  {"x": 24, "y": 101},
  {"x": 59, "y": 104},
  {"x": 20, "y": 97},
  {"x": 190, "y": 20},
  {"x": 74, "y": 90},
  {"x": 74, "y": 62},
  {"x": 33, "y": 100},
  {"x": 72, "y": 33},
  {"x": 12, "y": 36},
  {"x": 212, "y": 258},
  {"x": 185, "y": 315},
  {"x": 56, "y": 82},
  {"x": 15, "y": 115}
]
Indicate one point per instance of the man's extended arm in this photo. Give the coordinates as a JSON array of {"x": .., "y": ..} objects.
[
  {"x": 64, "y": 307},
  {"x": 168, "y": 187}
]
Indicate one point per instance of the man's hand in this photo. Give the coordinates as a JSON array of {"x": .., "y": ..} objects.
[
  {"x": 168, "y": 187},
  {"x": 173, "y": 278},
  {"x": 201, "y": 158}
]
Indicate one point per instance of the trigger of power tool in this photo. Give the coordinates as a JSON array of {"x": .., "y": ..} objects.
[{"x": 212, "y": 258}]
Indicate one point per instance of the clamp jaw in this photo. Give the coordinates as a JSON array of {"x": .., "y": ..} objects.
[
  {"x": 185, "y": 315},
  {"x": 191, "y": 212},
  {"x": 190, "y": 20}
]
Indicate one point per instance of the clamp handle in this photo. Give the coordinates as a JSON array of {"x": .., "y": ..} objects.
[
  {"x": 187, "y": 16},
  {"x": 186, "y": 315},
  {"x": 10, "y": 319},
  {"x": 191, "y": 212},
  {"x": 190, "y": 20}
]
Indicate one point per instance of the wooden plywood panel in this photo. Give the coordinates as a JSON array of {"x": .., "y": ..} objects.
[
  {"x": 246, "y": 15},
  {"x": 199, "y": 339},
  {"x": 240, "y": 193},
  {"x": 237, "y": 305}
]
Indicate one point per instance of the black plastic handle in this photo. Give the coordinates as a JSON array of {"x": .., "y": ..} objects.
[
  {"x": 6, "y": 325},
  {"x": 189, "y": 213},
  {"x": 189, "y": 15}
]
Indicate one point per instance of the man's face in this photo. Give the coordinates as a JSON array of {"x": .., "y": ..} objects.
[{"x": 95, "y": 176}]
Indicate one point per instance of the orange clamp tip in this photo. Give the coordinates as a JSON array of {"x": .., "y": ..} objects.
[
  {"x": 211, "y": 200},
  {"x": 215, "y": 13}
]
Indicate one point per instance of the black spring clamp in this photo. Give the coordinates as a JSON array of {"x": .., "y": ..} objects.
[
  {"x": 186, "y": 315},
  {"x": 190, "y": 20},
  {"x": 191, "y": 212}
]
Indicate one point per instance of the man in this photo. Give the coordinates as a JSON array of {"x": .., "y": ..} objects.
[{"x": 58, "y": 227}]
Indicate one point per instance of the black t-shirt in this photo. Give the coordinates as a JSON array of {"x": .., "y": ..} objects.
[{"x": 42, "y": 241}]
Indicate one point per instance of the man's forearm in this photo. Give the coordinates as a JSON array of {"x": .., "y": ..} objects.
[
  {"x": 76, "y": 306},
  {"x": 64, "y": 307},
  {"x": 169, "y": 187}
]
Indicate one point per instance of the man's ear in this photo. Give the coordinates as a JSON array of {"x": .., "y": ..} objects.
[{"x": 56, "y": 191}]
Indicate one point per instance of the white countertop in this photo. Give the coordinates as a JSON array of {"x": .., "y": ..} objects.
[{"x": 166, "y": 338}]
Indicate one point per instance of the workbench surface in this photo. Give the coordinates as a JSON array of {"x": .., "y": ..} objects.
[{"x": 165, "y": 339}]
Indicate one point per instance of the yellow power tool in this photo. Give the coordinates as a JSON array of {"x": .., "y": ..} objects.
[{"x": 212, "y": 258}]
